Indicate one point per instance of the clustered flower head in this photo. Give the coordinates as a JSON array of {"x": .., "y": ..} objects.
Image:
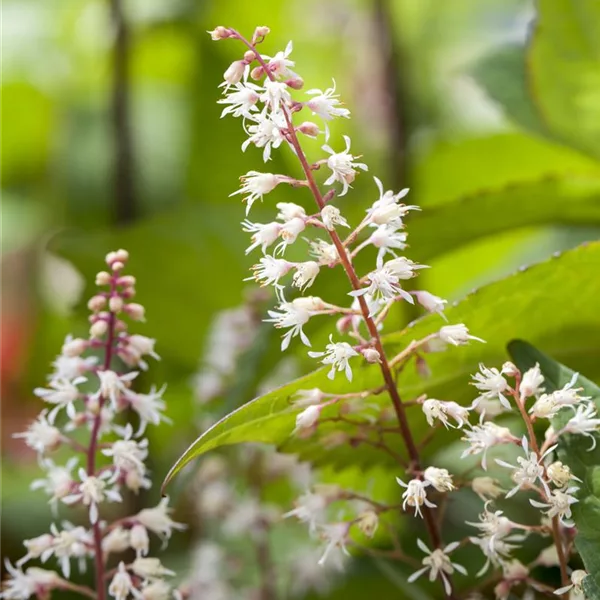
[
  {"x": 92, "y": 397},
  {"x": 265, "y": 92}
]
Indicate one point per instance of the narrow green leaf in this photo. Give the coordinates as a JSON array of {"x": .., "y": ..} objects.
[
  {"x": 574, "y": 450},
  {"x": 521, "y": 305}
]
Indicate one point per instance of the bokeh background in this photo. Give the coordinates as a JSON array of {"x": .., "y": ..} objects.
[{"x": 112, "y": 138}]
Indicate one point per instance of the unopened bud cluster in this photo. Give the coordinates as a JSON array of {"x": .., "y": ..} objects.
[{"x": 89, "y": 395}]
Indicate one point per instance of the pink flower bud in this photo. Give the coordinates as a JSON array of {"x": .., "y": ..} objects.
[
  {"x": 344, "y": 324},
  {"x": 135, "y": 311},
  {"x": 103, "y": 278},
  {"x": 98, "y": 329},
  {"x": 257, "y": 73},
  {"x": 297, "y": 83},
  {"x": 219, "y": 33},
  {"x": 371, "y": 355},
  {"x": 126, "y": 280},
  {"x": 74, "y": 347},
  {"x": 249, "y": 56},
  {"x": 309, "y": 129},
  {"x": 115, "y": 304},
  {"x": 261, "y": 31},
  {"x": 117, "y": 265},
  {"x": 96, "y": 303}
]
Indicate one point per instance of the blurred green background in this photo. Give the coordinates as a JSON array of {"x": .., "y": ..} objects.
[{"x": 112, "y": 138}]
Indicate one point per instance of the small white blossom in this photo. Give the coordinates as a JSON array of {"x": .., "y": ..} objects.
[
  {"x": 415, "y": 494},
  {"x": 338, "y": 355},
  {"x": 289, "y": 211},
  {"x": 33, "y": 582},
  {"x": 291, "y": 315},
  {"x": 234, "y": 73},
  {"x": 440, "y": 479},
  {"x": 324, "y": 252},
  {"x": 560, "y": 474},
  {"x": 529, "y": 471},
  {"x": 275, "y": 94},
  {"x": 307, "y": 418},
  {"x": 384, "y": 285},
  {"x": 304, "y": 398},
  {"x": 331, "y": 216},
  {"x": 492, "y": 384},
  {"x": 387, "y": 210},
  {"x": 36, "y": 547},
  {"x": 584, "y": 422},
  {"x": 559, "y": 504},
  {"x": 121, "y": 584},
  {"x": 437, "y": 409},
  {"x": 41, "y": 436},
  {"x": 531, "y": 384},
  {"x": 70, "y": 542},
  {"x": 279, "y": 65},
  {"x": 242, "y": 101},
  {"x": 71, "y": 367},
  {"x": 310, "y": 509},
  {"x": 270, "y": 270},
  {"x": 342, "y": 165},
  {"x": 113, "y": 385},
  {"x": 158, "y": 519},
  {"x": 116, "y": 541},
  {"x": 266, "y": 133},
  {"x": 457, "y": 335},
  {"x": 335, "y": 535},
  {"x": 255, "y": 185},
  {"x": 483, "y": 436},
  {"x": 289, "y": 233},
  {"x": 63, "y": 394},
  {"x": 127, "y": 454},
  {"x": 139, "y": 540},
  {"x": 326, "y": 105},
  {"x": 576, "y": 584},
  {"x": 387, "y": 238},
  {"x": 264, "y": 234},
  {"x": 548, "y": 405},
  {"x": 486, "y": 487},
  {"x": 136, "y": 346},
  {"x": 438, "y": 564},
  {"x": 92, "y": 491},
  {"x": 148, "y": 406},
  {"x": 305, "y": 275},
  {"x": 157, "y": 590},
  {"x": 149, "y": 568}
]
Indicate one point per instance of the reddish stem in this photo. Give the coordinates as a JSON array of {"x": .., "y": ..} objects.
[
  {"x": 346, "y": 261},
  {"x": 91, "y": 455}
]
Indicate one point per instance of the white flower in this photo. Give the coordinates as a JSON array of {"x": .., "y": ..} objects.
[
  {"x": 291, "y": 315},
  {"x": 495, "y": 549},
  {"x": 234, "y": 73},
  {"x": 335, "y": 535},
  {"x": 275, "y": 94},
  {"x": 338, "y": 356},
  {"x": 304, "y": 398},
  {"x": 136, "y": 346},
  {"x": 289, "y": 233},
  {"x": 267, "y": 133},
  {"x": 33, "y": 582},
  {"x": 40, "y": 435},
  {"x": 127, "y": 454},
  {"x": 324, "y": 252},
  {"x": 148, "y": 407},
  {"x": 584, "y": 422},
  {"x": 440, "y": 479},
  {"x": 36, "y": 547},
  {"x": 383, "y": 286},
  {"x": 560, "y": 474},
  {"x": 415, "y": 494},
  {"x": 264, "y": 234},
  {"x": 305, "y": 275},
  {"x": 387, "y": 238},
  {"x": 158, "y": 519},
  {"x": 326, "y": 105},
  {"x": 139, "y": 540},
  {"x": 437, "y": 409},
  {"x": 270, "y": 270},
  {"x": 307, "y": 418},
  {"x": 157, "y": 590},
  {"x": 149, "y": 568},
  {"x": 74, "y": 346},
  {"x": 289, "y": 211},
  {"x": 456, "y": 335},
  {"x": 58, "y": 481},
  {"x": 113, "y": 385},
  {"x": 531, "y": 384},
  {"x": 70, "y": 367},
  {"x": 63, "y": 393},
  {"x": 492, "y": 384},
  {"x": 486, "y": 487},
  {"x": 331, "y": 216},
  {"x": 310, "y": 509},
  {"x": 483, "y": 436},
  {"x": 279, "y": 64},
  {"x": 438, "y": 564},
  {"x": 242, "y": 101},
  {"x": 493, "y": 524},
  {"x": 404, "y": 268},
  {"x": 70, "y": 542},
  {"x": 548, "y": 405},
  {"x": 387, "y": 209},
  {"x": 530, "y": 469},
  {"x": 559, "y": 504},
  {"x": 255, "y": 185},
  {"x": 576, "y": 585},
  {"x": 116, "y": 541},
  {"x": 342, "y": 165},
  {"x": 92, "y": 491},
  {"x": 121, "y": 584}
]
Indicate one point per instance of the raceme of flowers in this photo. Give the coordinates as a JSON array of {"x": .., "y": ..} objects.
[
  {"x": 265, "y": 92},
  {"x": 88, "y": 397}
]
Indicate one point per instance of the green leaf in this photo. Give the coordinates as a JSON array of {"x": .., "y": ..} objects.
[
  {"x": 503, "y": 76},
  {"x": 564, "y": 70},
  {"x": 574, "y": 450},
  {"x": 521, "y": 305}
]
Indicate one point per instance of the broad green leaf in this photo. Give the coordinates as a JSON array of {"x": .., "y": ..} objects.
[
  {"x": 503, "y": 76},
  {"x": 521, "y": 305},
  {"x": 564, "y": 70},
  {"x": 574, "y": 450}
]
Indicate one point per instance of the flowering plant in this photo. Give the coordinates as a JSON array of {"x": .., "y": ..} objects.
[
  {"x": 262, "y": 91},
  {"x": 90, "y": 402}
]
